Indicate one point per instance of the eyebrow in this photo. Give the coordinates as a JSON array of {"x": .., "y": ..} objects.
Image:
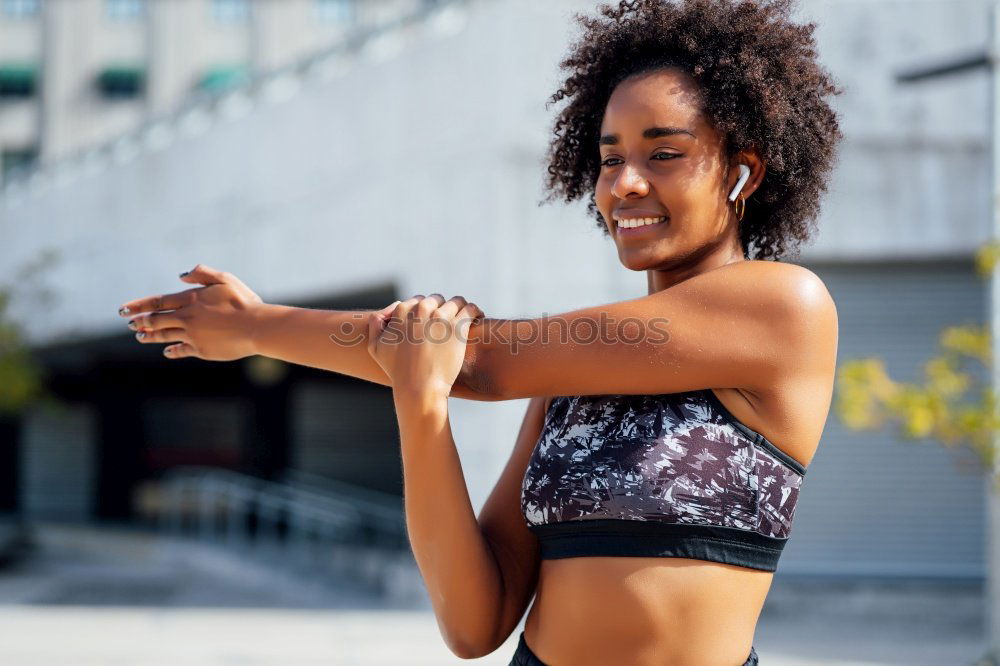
[{"x": 651, "y": 133}]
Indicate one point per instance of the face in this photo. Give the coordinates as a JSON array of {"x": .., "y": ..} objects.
[{"x": 661, "y": 159}]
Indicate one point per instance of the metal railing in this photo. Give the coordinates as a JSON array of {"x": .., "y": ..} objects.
[{"x": 308, "y": 523}]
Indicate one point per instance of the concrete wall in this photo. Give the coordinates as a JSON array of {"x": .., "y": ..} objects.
[
  {"x": 177, "y": 41},
  {"x": 913, "y": 179}
]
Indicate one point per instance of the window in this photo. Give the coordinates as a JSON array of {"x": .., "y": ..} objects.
[
  {"x": 121, "y": 82},
  {"x": 20, "y": 8},
  {"x": 15, "y": 161},
  {"x": 18, "y": 80},
  {"x": 125, "y": 10},
  {"x": 223, "y": 77},
  {"x": 231, "y": 11},
  {"x": 336, "y": 11}
]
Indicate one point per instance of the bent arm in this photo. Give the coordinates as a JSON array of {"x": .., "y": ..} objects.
[
  {"x": 458, "y": 568},
  {"x": 337, "y": 340}
]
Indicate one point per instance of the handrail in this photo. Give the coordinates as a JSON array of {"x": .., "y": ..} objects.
[
  {"x": 230, "y": 499},
  {"x": 302, "y": 478},
  {"x": 323, "y": 530}
]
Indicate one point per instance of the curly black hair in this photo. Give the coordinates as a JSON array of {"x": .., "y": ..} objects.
[{"x": 761, "y": 88}]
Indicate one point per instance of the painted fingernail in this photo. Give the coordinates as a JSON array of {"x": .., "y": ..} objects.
[
  {"x": 140, "y": 335},
  {"x": 123, "y": 310},
  {"x": 132, "y": 325},
  {"x": 185, "y": 273}
]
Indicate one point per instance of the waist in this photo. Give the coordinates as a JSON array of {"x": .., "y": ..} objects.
[{"x": 644, "y": 610}]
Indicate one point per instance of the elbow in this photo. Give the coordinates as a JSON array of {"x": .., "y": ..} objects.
[
  {"x": 467, "y": 651},
  {"x": 478, "y": 378},
  {"x": 468, "y": 648},
  {"x": 472, "y": 635}
]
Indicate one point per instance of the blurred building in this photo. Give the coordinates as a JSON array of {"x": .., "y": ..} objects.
[
  {"x": 76, "y": 72},
  {"x": 412, "y": 162}
]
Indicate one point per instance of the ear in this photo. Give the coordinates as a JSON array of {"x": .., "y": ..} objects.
[{"x": 757, "y": 168}]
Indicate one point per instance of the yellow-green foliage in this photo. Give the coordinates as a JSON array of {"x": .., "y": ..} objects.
[
  {"x": 949, "y": 405},
  {"x": 21, "y": 380},
  {"x": 20, "y": 376}
]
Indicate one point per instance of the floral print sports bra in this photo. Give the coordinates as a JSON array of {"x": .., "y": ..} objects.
[{"x": 667, "y": 475}]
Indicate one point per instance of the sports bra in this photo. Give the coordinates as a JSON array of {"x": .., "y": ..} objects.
[{"x": 665, "y": 475}]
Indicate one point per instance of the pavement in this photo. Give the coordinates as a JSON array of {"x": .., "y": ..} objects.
[{"x": 90, "y": 596}]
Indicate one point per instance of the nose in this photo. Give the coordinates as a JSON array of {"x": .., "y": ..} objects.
[{"x": 629, "y": 181}]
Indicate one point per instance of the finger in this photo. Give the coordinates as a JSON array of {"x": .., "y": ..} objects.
[
  {"x": 165, "y": 335},
  {"x": 428, "y": 305},
  {"x": 174, "y": 301},
  {"x": 387, "y": 310},
  {"x": 375, "y": 325},
  {"x": 403, "y": 309},
  {"x": 465, "y": 319},
  {"x": 206, "y": 275},
  {"x": 478, "y": 315},
  {"x": 180, "y": 350},
  {"x": 155, "y": 321},
  {"x": 450, "y": 308}
]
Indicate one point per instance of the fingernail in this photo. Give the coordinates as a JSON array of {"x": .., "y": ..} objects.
[
  {"x": 185, "y": 273},
  {"x": 123, "y": 310},
  {"x": 132, "y": 325},
  {"x": 140, "y": 335}
]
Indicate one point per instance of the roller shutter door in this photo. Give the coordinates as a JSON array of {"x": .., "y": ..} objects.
[
  {"x": 874, "y": 503},
  {"x": 58, "y": 456},
  {"x": 347, "y": 432}
]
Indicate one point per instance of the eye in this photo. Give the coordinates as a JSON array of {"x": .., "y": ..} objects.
[
  {"x": 608, "y": 161},
  {"x": 668, "y": 156}
]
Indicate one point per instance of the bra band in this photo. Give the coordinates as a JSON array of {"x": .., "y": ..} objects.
[{"x": 636, "y": 538}]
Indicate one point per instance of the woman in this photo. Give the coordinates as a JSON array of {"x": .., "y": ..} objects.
[{"x": 653, "y": 482}]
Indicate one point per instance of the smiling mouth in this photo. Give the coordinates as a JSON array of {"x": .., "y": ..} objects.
[{"x": 631, "y": 225}]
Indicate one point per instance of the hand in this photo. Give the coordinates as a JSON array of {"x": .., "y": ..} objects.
[
  {"x": 421, "y": 344},
  {"x": 214, "y": 322}
]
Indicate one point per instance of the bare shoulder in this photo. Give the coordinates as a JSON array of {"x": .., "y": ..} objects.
[
  {"x": 794, "y": 299},
  {"x": 790, "y": 285},
  {"x": 792, "y": 411}
]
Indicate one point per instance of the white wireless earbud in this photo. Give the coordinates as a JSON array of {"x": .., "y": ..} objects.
[{"x": 744, "y": 174}]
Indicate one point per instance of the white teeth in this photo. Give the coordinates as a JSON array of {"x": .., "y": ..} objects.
[{"x": 639, "y": 222}]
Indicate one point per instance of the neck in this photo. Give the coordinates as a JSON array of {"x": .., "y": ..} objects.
[{"x": 658, "y": 279}]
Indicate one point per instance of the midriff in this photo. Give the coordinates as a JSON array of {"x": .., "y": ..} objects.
[{"x": 644, "y": 611}]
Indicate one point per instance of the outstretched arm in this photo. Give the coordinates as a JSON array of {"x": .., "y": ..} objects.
[
  {"x": 336, "y": 340},
  {"x": 224, "y": 320},
  {"x": 744, "y": 325}
]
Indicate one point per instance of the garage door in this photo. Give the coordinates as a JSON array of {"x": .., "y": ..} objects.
[{"x": 874, "y": 503}]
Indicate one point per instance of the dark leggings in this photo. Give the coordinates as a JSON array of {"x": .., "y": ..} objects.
[{"x": 523, "y": 656}]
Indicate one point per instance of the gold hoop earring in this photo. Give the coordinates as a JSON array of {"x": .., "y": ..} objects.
[{"x": 741, "y": 205}]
